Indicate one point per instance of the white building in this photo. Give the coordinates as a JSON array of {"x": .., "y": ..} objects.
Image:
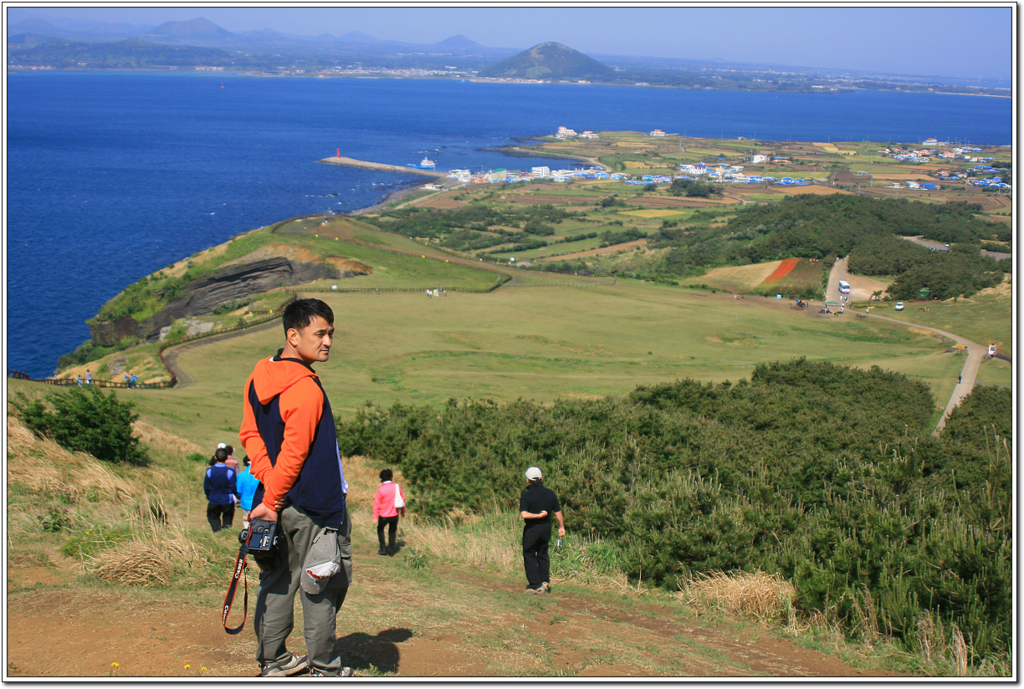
[
  {"x": 589, "y": 135},
  {"x": 542, "y": 171},
  {"x": 759, "y": 158},
  {"x": 657, "y": 132}
]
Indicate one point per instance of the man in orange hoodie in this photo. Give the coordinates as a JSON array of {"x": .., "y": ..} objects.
[{"x": 288, "y": 433}]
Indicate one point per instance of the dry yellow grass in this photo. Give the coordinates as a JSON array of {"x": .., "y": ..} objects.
[
  {"x": 491, "y": 549},
  {"x": 163, "y": 441},
  {"x": 150, "y": 558},
  {"x": 741, "y": 278},
  {"x": 43, "y": 466},
  {"x": 363, "y": 480},
  {"x": 761, "y": 596}
]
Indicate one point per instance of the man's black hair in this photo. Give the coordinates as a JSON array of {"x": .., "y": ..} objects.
[
  {"x": 221, "y": 454},
  {"x": 386, "y": 474},
  {"x": 301, "y": 312}
]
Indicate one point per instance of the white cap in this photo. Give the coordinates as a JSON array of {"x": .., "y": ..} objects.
[
  {"x": 533, "y": 474},
  {"x": 222, "y": 446}
]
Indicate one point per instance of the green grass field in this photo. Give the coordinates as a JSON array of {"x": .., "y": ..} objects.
[
  {"x": 982, "y": 319},
  {"x": 537, "y": 343}
]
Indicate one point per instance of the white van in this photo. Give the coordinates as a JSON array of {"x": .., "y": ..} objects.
[{"x": 844, "y": 287}]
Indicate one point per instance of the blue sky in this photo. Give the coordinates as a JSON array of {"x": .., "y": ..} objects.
[{"x": 970, "y": 41}]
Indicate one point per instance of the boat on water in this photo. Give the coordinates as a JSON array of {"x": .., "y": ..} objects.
[{"x": 425, "y": 164}]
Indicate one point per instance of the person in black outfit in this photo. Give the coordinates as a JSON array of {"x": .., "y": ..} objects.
[{"x": 536, "y": 506}]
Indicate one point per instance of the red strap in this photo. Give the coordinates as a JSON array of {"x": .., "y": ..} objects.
[{"x": 229, "y": 598}]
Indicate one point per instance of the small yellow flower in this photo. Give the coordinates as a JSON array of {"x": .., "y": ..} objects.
[
  {"x": 203, "y": 669},
  {"x": 115, "y": 665},
  {"x": 187, "y": 666}
]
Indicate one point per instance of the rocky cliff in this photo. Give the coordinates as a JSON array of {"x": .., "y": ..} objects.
[{"x": 228, "y": 284}]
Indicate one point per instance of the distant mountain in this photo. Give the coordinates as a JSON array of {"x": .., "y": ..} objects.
[
  {"x": 37, "y": 26},
  {"x": 357, "y": 37},
  {"x": 549, "y": 61},
  {"x": 201, "y": 29},
  {"x": 266, "y": 35},
  {"x": 132, "y": 53},
  {"x": 30, "y": 39},
  {"x": 458, "y": 42}
]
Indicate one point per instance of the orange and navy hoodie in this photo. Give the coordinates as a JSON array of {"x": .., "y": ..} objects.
[{"x": 288, "y": 433}]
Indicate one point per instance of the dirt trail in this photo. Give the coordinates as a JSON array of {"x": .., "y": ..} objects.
[{"x": 390, "y": 624}]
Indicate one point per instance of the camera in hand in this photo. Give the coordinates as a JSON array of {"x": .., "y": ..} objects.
[{"x": 264, "y": 536}]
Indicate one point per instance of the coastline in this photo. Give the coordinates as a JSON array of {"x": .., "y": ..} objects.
[{"x": 390, "y": 198}]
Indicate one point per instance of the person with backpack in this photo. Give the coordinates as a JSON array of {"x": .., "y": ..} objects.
[
  {"x": 388, "y": 503},
  {"x": 221, "y": 490}
]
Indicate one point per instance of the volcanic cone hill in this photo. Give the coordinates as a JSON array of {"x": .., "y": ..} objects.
[{"x": 549, "y": 61}]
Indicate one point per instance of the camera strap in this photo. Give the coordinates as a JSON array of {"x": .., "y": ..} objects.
[{"x": 229, "y": 598}]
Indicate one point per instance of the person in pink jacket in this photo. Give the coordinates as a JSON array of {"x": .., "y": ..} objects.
[{"x": 385, "y": 512}]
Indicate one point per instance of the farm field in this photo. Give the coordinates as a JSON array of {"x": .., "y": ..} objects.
[
  {"x": 737, "y": 279},
  {"x": 799, "y": 276}
]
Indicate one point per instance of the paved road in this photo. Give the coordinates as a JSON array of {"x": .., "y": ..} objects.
[
  {"x": 939, "y": 246},
  {"x": 968, "y": 374},
  {"x": 841, "y": 271}
]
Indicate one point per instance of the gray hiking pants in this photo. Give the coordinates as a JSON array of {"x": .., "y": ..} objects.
[{"x": 274, "y": 617}]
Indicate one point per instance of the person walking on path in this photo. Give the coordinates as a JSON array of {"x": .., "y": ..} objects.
[
  {"x": 231, "y": 461},
  {"x": 221, "y": 493},
  {"x": 288, "y": 433},
  {"x": 386, "y": 510},
  {"x": 88, "y": 377},
  {"x": 247, "y": 485},
  {"x": 536, "y": 505}
]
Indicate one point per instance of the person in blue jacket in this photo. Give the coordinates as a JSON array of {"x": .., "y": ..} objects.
[
  {"x": 221, "y": 492},
  {"x": 247, "y": 484}
]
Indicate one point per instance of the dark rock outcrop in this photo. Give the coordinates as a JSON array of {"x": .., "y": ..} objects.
[{"x": 204, "y": 295}]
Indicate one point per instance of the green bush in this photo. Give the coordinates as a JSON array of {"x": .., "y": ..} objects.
[
  {"x": 823, "y": 473},
  {"x": 86, "y": 420}
]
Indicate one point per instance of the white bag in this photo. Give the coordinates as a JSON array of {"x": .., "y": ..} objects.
[{"x": 399, "y": 502}]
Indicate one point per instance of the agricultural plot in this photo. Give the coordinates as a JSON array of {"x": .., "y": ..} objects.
[
  {"x": 736, "y": 279},
  {"x": 794, "y": 276}
]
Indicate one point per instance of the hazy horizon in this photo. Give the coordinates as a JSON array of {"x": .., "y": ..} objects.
[{"x": 974, "y": 42}]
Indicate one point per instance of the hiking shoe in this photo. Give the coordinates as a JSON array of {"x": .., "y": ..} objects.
[
  {"x": 531, "y": 590},
  {"x": 286, "y": 668},
  {"x": 382, "y": 552},
  {"x": 345, "y": 672},
  {"x": 544, "y": 588}
]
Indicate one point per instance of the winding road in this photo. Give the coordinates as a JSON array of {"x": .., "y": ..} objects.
[{"x": 975, "y": 351}]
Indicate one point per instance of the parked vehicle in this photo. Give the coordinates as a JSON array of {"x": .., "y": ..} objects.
[{"x": 899, "y": 306}]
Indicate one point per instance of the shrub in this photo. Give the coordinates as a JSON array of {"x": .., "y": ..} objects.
[
  {"x": 55, "y": 520},
  {"x": 86, "y": 420}
]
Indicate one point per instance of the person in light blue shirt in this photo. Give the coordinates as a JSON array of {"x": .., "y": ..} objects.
[{"x": 247, "y": 484}]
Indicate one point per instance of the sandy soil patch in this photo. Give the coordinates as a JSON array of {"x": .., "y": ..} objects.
[
  {"x": 301, "y": 253},
  {"x": 862, "y": 287},
  {"x": 739, "y": 278},
  {"x": 597, "y": 252}
]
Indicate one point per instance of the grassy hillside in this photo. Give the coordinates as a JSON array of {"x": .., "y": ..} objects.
[{"x": 450, "y": 604}]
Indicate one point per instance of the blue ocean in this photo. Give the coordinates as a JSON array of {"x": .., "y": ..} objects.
[{"x": 114, "y": 175}]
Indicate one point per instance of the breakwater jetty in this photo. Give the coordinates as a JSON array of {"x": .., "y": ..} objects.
[{"x": 352, "y": 162}]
